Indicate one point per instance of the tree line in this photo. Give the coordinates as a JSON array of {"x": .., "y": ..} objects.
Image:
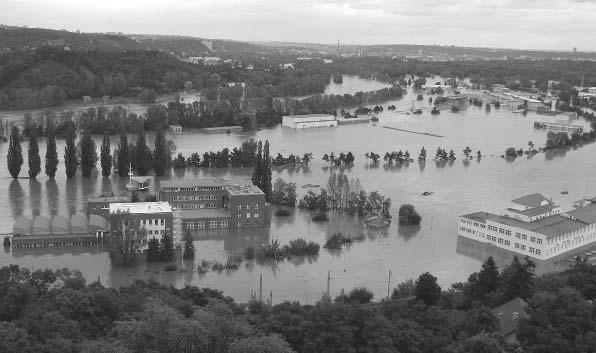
[
  {"x": 83, "y": 155},
  {"x": 57, "y": 311}
]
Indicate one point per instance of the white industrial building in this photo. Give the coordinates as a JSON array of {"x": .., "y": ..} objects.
[
  {"x": 309, "y": 121},
  {"x": 534, "y": 226}
]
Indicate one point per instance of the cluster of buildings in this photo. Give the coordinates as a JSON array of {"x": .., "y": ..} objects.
[
  {"x": 534, "y": 226},
  {"x": 186, "y": 205},
  {"x": 307, "y": 121}
]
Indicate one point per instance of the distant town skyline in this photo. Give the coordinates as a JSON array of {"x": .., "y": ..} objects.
[{"x": 543, "y": 25}]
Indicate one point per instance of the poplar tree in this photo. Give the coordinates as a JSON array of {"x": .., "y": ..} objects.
[
  {"x": 106, "y": 156},
  {"x": 143, "y": 154},
  {"x": 15, "y": 154},
  {"x": 161, "y": 155},
  {"x": 71, "y": 160},
  {"x": 33, "y": 155},
  {"x": 266, "y": 165},
  {"x": 51, "y": 153},
  {"x": 189, "y": 248},
  {"x": 123, "y": 157},
  {"x": 257, "y": 172},
  {"x": 88, "y": 154},
  {"x": 261, "y": 175}
]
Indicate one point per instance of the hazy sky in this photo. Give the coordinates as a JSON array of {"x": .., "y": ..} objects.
[{"x": 533, "y": 24}]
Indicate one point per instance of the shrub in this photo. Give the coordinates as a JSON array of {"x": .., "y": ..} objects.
[
  {"x": 320, "y": 217},
  {"x": 300, "y": 247},
  {"x": 408, "y": 216},
  {"x": 337, "y": 240},
  {"x": 170, "y": 268},
  {"x": 250, "y": 253},
  {"x": 282, "y": 212}
]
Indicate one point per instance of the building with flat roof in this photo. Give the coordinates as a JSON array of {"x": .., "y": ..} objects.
[
  {"x": 216, "y": 203},
  {"x": 308, "y": 121},
  {"x": 101, "y": 205},
  {"x": 533, "y": 225},
  {"x": 58, "y": 231},
  {"x": 151, "y": 219}
]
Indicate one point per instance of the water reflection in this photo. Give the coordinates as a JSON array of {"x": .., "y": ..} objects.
[
  {"x": 52, "y": 196},
  {"x": 72, "y": 187},
  {"x": 408, "y": 232},
  {"x": 16, "y": 196},
  {"x": 106, "y": 186},
  {"x": 35, "y": 196}
]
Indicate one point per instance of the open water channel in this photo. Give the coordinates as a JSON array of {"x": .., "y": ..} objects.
[{"x": 457, "y": 189}]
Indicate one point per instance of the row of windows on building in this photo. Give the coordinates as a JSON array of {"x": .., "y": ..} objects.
[
  {"x": 55, "y": 245},
  {"x": 194, "y": 188},
  {"x": 254, "y": 215},
  {"x": 503, "y": 242},
  {"x": 153, "y": 222},
  {"x": 530, "y": 249},
  {"x": 194, "y": 206},
  {"x": 194, "y": 198},
  {"x": 212, "y": 225},
  {"x": 502, "y": 231},
  {"x": 256, "y": 206},
  {"x": 156, "y": 232}
]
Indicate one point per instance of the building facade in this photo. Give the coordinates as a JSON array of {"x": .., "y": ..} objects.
[
  {"x": 101, "y": 205},
  {"x": 308, "y": 121},
  {"x": 153, "y": 219},
  {"x": 534, "y": 226},
  {"x": 216, "y": 203}
]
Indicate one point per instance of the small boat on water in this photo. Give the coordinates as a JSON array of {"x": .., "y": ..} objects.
[
  {"x": 564, "y": 192},
  {"x": 417, "y": 111},
  {"x": 427, "y": 193},
  {"x": 455, "y": 109},
  {"x": 435, "y": 111}
]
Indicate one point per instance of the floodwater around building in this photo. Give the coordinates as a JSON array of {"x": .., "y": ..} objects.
[{"x": 456, "y": 189}]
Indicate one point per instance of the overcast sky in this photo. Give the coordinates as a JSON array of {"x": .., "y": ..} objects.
[{"x": 531, "y": 24}]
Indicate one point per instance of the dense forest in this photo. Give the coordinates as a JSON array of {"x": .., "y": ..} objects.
[{"x": 57, "y": 311}]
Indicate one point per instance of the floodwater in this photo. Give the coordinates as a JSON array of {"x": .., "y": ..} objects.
[{"x": 459, "y": 188}]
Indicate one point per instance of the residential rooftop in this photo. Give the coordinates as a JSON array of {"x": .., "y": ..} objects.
[{"x": 140, "y": 207}]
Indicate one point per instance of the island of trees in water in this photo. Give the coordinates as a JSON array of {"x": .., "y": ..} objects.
[{"x": 57, "y": 311}]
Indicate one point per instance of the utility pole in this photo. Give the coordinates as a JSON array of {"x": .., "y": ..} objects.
[
  {"x": 328, "y": 280},
  {"x": 388, "y": 284},
  {"x": 261, "y": 288}
]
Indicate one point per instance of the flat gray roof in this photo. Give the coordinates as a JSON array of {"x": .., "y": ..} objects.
[
  {"x": 244, "y": 189},
  {"x": 187, "y": 183},
  {"x": 585, "y": 214}
]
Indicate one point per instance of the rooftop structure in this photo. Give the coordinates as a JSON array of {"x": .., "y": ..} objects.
[
  {"x": 58, "y": 231},
  {"x": 509, "y": 316},
  {"x": 216, "y": 203},
  {"x": 533, "y": 225},
  {"x": 244, "y": 189},
  {"x": 308, "y": 121},
  {"x": 140, "y": 207}
]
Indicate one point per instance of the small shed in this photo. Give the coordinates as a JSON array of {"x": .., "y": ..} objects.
[
  {"x": 78, "y": 224},
  {"x": 175, "y": 128},
  {"x": 41, "y": 226},
  {"x": 60, "y": 225},
  {"x": 22, "y": 226},
  {"x": 139, "y": 183}
]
